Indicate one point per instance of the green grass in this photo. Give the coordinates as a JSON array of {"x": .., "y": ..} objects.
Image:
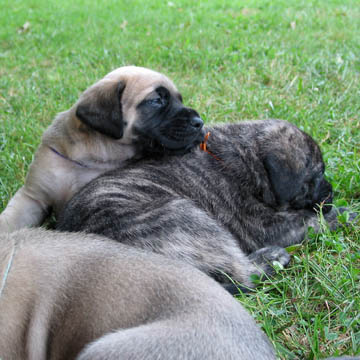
[{"x": 297, "y": 60}]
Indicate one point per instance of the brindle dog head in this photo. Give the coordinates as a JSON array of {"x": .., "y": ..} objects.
[
  {"x": 295, "y": 168},
  {"x": 290, "y": 173},
  {"x": 143, "y": 107}
]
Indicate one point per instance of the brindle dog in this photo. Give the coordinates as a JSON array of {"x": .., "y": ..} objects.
[{"x": 256, "y": 190}]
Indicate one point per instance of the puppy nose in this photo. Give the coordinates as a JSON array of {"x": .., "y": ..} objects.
[{"x": 196, "y": 122}]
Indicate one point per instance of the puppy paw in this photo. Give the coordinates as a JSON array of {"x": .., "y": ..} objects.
[
  {"x": 339, "y": 217},
  {"x": 267, "y": 257}
]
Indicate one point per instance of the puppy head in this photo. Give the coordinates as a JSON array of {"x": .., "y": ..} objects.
[
  {"x": 295, "y": 169},
  {"x": 138, "y": 105}
]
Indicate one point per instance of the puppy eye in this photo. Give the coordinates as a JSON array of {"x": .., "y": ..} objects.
[{"x": 157, "y": 102}]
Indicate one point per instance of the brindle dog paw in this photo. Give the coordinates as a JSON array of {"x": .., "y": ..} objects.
[
  {"x": 333, "y": 221},
  {"x": 264, "y": 258}
]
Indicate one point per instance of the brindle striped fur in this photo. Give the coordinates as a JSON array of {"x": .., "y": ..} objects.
[{"x": 259, "y": 188}]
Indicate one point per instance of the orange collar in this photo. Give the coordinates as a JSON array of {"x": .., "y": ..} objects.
[{"x": 204, "y": 147}]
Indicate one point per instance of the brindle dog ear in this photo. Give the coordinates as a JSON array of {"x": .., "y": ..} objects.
[
  {"x": 285, "y": 182},
  {"x": 100, "y": 109},
  {"x": 298, "y": 188}
]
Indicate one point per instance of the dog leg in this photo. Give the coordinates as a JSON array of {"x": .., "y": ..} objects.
[
  {"x": 182, "y": 338},
  {"x": 156, "y": 340},
  {"x": 50, "y": 182},
  {"x": 263, "y": 226},
  {"x": 264, "y": 258},
  {"x": 332, "y": 217},
  {"x": 261, "y": 263},
  {"x": 22, "y": 211},
  {"x": 296, "y": 224}
]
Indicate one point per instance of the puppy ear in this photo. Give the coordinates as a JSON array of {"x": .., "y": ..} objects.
[
  {"x": 285, "y": 182},
  {"x": 100, "y": 108},
  {"x": 303, "y": 188}
]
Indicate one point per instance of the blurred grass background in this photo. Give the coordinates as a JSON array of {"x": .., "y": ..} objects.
[{"x": 232, "y": 60}]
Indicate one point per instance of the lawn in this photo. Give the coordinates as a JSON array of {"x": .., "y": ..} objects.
[{"x": 232, "y": 60}]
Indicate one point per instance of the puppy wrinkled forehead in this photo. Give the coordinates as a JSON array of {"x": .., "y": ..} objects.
[
  {"x": 140, "y": 82},
  {"x": 139, "y": 76},
  {"x": 132, "y": 71}
]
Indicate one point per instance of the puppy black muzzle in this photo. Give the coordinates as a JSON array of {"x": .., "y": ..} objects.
[
  {"x": 182, "y": 130},
  {"x": 177, "y": 132}
]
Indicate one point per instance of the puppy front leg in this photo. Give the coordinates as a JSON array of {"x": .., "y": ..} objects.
[
  {"x": 31, "y": 203},
  {"x": 47, "y": 185},
  {"x": 22, "y": 211}
]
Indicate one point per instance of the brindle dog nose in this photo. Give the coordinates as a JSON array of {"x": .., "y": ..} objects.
[{"x": 196, "y": 122}]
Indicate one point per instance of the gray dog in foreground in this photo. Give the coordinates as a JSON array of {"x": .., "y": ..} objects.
[
  {"x": 84, "y": 297},
  {"x": 255, "y": 190}
]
